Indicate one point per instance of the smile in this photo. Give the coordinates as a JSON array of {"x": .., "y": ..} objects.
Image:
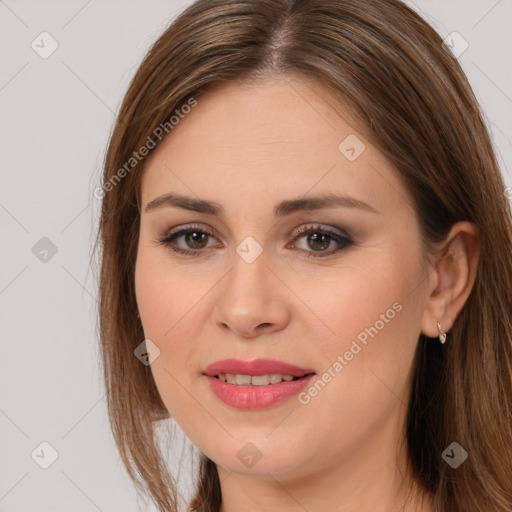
[{"x": 256, "y": 384}]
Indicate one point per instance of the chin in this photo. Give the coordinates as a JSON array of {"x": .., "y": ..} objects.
[{"x": 260, "y": 456}]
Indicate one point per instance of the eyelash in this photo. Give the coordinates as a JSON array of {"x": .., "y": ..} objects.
[{"x": 345, "y": 241}]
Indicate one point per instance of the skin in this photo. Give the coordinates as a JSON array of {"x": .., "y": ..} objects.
[{"x": 248, "y": 147}]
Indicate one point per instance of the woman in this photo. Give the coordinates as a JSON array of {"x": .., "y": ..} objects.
[{"x": 306, "y": 264}]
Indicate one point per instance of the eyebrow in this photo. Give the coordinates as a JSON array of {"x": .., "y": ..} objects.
[{"x": 282, "y": 209}]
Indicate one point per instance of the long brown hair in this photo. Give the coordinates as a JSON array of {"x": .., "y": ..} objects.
[{"x": 416, "y": 105}]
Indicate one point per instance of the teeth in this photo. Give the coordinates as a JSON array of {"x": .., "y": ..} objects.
[
  {"x": 254, "y": 380},
  {"x": 243, "y": 380},
  {"x": 260, "y": 380}
]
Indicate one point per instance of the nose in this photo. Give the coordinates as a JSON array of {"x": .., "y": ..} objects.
[{"x": 252, "y": 300}]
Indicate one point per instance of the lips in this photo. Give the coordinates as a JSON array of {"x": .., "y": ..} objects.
[
  {"x": 263, "y": 395},
  {"x": 255, "y": 367}
]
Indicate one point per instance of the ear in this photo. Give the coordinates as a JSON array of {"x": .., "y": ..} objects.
[{"x": 452, "y": 278}]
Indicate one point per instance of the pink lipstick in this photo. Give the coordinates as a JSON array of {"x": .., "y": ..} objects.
[{"x": 256, "y": 384}]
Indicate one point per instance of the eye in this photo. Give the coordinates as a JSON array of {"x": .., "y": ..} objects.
[
  {"x": 193, "y": 237},
  {"x": 318, "y": 239}
]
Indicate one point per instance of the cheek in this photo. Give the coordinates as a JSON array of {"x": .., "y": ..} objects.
[
  {"x": 171, "y": 303},
  {"x": 167, "y": 295},
  {"x": 345, "y": 300},
  {"x": 368, "y": 322}
]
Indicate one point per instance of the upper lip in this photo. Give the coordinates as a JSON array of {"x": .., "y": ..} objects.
[{"x": 254, "y": 367}]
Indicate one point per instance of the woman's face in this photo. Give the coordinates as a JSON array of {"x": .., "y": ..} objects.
[{"x": 345, "y": 301}]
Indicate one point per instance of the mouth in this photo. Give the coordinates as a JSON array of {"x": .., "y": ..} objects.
[{"x": 257, "y": 384}]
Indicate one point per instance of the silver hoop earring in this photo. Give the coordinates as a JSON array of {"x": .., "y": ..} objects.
[{"x": 442, "y": 336}]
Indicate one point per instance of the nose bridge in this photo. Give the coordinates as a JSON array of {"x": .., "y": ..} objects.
[
  {"x": 248, "y": 282},
  {"x": 251, "y": 295}
]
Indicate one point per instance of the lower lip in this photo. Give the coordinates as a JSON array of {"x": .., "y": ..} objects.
[{"x": 257, "y": 397}]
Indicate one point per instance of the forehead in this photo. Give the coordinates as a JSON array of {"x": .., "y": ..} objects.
[{"x": 271, "y": 139}]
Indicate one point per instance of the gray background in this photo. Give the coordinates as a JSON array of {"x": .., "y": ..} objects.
[{"x": 56, "y": 116}]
